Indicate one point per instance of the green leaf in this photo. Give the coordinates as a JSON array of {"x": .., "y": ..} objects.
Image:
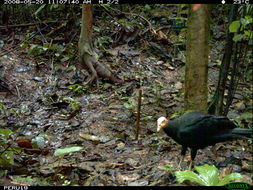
[
  {"x": 246, "y": 115},
  {"x": 188, "y": 175},
  {"x": 96, "y": 29},
  {"x": 234, "y": 26},
  {"x": 55, "y": 6},
  {"x": 39, "y": 9},
  {"x": 208, "y": 173},
  {"x": 5, "y": 132},
  {"x": 166, "y": 167},
  {"x": 65, "y": 151},
  {"x": 52, "y": 47},
  {"x": 147, "y": 7},
  {"x": 146, "y": 118},
  {"x": 207, "y": 176},
  {"x": 127, "y": 106},
  {"x": 66, "y": 58},
  {"x": 249, "y": 18},
  {"x": 244, "y": 21},
  {"x": 228, "y": 178},
  {"x": 105, "y": 6},
  {"x": 237, "y": 37},
  {"x": 248, "y": 33},
  {"x": 7, "y": 159}
]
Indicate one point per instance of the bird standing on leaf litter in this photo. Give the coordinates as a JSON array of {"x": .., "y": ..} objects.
[{"x": 197, "y": 130}]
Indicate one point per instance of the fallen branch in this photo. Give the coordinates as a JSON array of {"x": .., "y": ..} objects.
[
  {"x": 28, "y": 24},
  {"x": 138, "y": 114}
]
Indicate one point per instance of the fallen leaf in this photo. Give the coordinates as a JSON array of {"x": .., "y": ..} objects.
[
  {"x": 178, "y": 85},
  {"x": 24, "y": 142},
  {"x": 162, "y": 35},
  {"x": 246, "y": 166},
  {"x": 89, "y": 137}
]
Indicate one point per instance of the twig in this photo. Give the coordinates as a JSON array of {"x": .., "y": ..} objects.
[
  {"x": 138, "y": 114},
  {"x": 38, "y": 28},
  {"x": 28, "y": 24},
  {"x": 18, "y": 92}
]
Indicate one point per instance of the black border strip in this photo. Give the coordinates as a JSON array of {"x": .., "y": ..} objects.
[{"x": 37, "y": 2}]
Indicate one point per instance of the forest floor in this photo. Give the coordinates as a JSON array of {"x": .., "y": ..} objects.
[
  {"x": 111, "y": 156},
  {"x": 102, "y": 120}
]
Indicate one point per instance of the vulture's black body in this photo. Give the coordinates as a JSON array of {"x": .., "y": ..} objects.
[{"x": 197, "y": 130}]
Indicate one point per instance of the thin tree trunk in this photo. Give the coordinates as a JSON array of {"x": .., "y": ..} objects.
[
  {"x": 216, "y": 106},
  {"x": 88, "y": 57},
  {"x": 86, "y": 54},
  {"x": 197, "y": 49}
]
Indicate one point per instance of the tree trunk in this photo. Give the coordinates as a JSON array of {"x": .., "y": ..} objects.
[
  {"x": 197, "y": 50},
  {"x": 87, "y": 55}
]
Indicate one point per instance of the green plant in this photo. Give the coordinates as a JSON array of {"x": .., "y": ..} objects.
[
  {"x": 131, "y": 104},
  {"x": 146, "y": 117},
  {"x": 103, "y": 41},
  {"x": 206, "y": 175},
  {"x": 122, "y": 94},
  {"x": 30, "y": 180},
  {"x": 61, "y": 152},
  {"x": 63, "y": 178},
  {"x": 130, "y": 24},
  {"x": 7, "y": 150},
  {"x": 36, "y": 50},
  {"x": 245, "y": 118},
  {"x": 77, "y": 88},
  {"x": 5, "y": 112},
  {"x": 167, "y": 167},
  {"x": 74, "y": 104},
  {"x": 61, "y": 53},
  {"x": 39, "y": 10},
  {"x": 156, "y": 89},
  {"x": 242, "y": 28},
  {"x": 2, "y": 110}
]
